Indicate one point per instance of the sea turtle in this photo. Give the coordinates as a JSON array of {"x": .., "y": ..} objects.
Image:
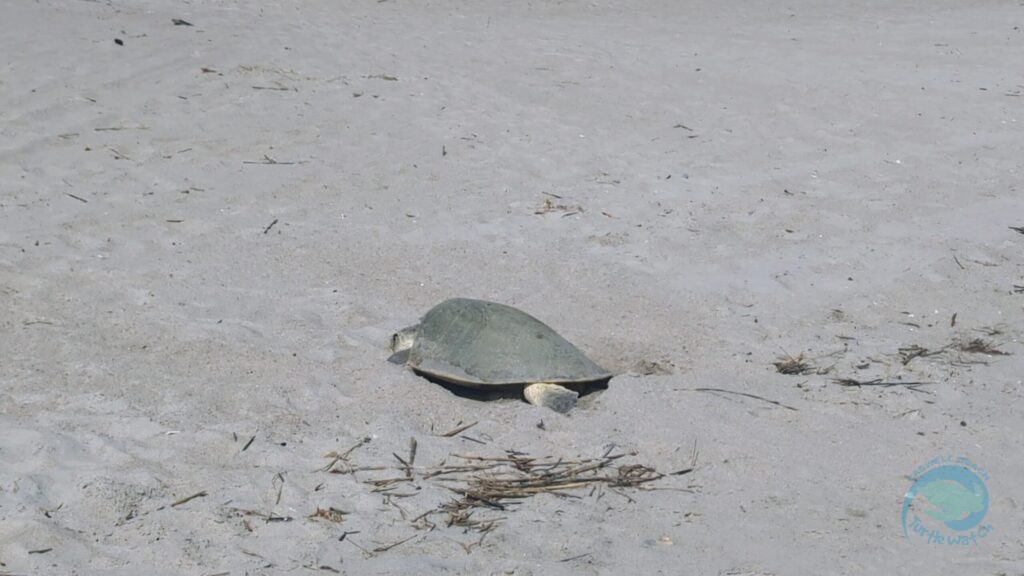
[{"x": 482, "y": 344}]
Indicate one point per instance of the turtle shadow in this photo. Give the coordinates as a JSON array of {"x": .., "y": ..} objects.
[{"x": 511, "y": 392}]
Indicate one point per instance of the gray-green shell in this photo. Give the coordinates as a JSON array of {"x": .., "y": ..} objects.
[{"x": 478, "y": 343}]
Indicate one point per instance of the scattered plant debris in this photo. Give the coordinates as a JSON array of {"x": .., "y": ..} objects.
[
  {"x": 496, "y": 484},
  {"x": 330, "y": 514},
  {"x": 980, "y": 346},
  {"x": 567, "y": 209},
  {"x": 794, "y": 365}
]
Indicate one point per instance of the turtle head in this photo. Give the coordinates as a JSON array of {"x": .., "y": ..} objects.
[{"x": 401, "y": 343}]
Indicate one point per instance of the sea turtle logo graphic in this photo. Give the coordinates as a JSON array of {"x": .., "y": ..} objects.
[{"x": 953, "y": 495}]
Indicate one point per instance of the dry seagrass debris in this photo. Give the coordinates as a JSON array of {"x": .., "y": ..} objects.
[{"x": 485, "y": 485}]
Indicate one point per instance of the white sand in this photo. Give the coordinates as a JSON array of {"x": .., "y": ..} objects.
[{"x": 846, "y": 170}]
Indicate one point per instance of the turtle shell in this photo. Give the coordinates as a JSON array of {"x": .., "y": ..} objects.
[{"x": 480, "y": 344}]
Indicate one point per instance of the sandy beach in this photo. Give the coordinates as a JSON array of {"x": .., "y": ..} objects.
[{"x": 789, "y": 230}]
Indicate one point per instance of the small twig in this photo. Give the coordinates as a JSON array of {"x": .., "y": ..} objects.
[
  {"x": 79, "y": 198},
  {"x": 493, "y": 459},
  {"x": 333, "y": 470},
  {"x": 850, "y": 382},
  {"x": 362, "y": 441},
  {"x": 380, "y": 549},
  {"x": 249, "y": 443},
  {"x": 280, "y": 487},
  {"x": 957, "y": 260},
  {"x": 458, "y": 430},
  {"x": 189, "y": 498},
  {"x": 754, "y": 396},
  {"x": 387, "y": 482},
  {"x": 875, "y": 382},
  {"x": 366, "y": 552},
  {"x": 422, "y": 516},
  {"x": 344, "y": 455},
  {"x": 119, "y": 128},
  {"x": 405, "y": 465},
  {"x": 271, "y": 225},
  {"x": 479, "y": 498},
  {"x": 268, "y": 161},
  {"x": 624, "y": 495},
  {"x": 412, "y": 456},
  {"x": 118, "y": 155}
]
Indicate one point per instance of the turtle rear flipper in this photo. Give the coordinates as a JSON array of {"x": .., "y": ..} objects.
[{"x": 553, "y": 396}]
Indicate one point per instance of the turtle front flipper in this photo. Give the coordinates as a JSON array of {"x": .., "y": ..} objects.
[{"x": 553, "y": 396}]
